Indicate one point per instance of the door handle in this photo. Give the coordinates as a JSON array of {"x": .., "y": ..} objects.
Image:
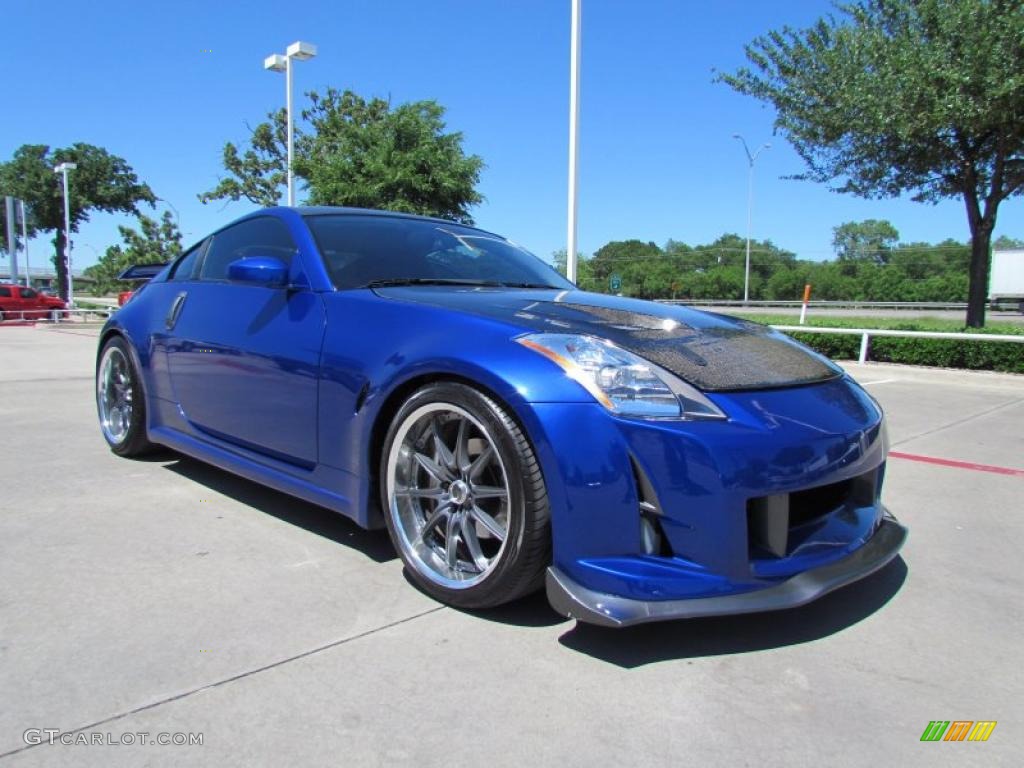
[{"x": 175, "y": 310}]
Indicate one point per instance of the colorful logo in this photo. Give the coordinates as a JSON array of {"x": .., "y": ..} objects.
[{"x": 958, "y": 730}]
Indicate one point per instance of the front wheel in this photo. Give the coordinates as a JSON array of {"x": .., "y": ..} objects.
[
  {"x": 119, "y": 400},
  {"x": 464, "y": 498}
]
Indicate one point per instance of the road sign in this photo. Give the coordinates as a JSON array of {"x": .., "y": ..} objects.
[{"x": 615, "y": 282}]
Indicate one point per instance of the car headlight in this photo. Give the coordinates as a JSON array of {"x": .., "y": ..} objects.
[{"x": 621, "y": 381}]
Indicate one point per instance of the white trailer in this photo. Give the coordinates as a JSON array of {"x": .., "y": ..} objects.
[{"x": 1006, "y": 278}]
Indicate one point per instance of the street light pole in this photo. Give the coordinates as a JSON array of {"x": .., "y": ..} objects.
[
  {"x": 750, "y": 208},
  {"x": 24, "y": 243},
  {"x": 574, "y": 130},
  {"x": 278, "y": 63},
  {"x": 63, "y": 168},
  {"x": 177, "y": 216},
  {"x": 12, "y": 236},
  {"x": 291, "y": 128}
]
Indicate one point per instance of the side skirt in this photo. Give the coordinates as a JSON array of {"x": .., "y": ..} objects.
[{"x": 250, "y": 469}]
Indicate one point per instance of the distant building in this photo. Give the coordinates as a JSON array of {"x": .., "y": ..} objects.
[{"x": 42, "y": 277}]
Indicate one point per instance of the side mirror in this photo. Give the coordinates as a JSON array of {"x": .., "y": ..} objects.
[{"x": 259, "y": 270}]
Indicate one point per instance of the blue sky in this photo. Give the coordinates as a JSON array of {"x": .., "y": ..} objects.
[{"x": 657, "y": 160}]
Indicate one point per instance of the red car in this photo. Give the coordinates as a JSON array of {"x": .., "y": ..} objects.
[{"x": 20, "y": 303}]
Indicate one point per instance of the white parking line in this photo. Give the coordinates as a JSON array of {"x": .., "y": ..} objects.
[{"x": 879, "y": 381}]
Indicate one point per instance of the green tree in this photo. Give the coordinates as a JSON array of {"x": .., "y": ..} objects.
[
  {"x": 614, "y": 257},
  {"x": 920, "y": 261},
  {"x": 905, "y": 96},
  {"x": 869, "y": 240},
  {"x": 155, "y": 242},
  {"x": 357, "y": 152},
  {"x": 559, "y": 261},
  {"x": 730, "y": 249},
  {"x": 786, "y": 284},
  {"x": 102, "y": 182},
  {"x": 1005, "y": 243}
]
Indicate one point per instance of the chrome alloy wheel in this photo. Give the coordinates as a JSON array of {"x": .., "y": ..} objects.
[
  {"x": 448, "y": 495},
  {"x": 114, "y": 395}
]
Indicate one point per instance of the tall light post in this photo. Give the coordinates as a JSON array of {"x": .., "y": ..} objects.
[
  {"x": 574, "y": 131},
  {"x": 24, "y": 244},
  {"x": 750, "y": 207},
  {"x": 63, "y": 168},
  {"x": 10, "y": 204},
  {"x": 278, "y": 63},
  {"x": 177, "y": 216}
]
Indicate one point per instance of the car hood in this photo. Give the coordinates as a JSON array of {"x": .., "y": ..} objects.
[{"x": 713, "y": 352}]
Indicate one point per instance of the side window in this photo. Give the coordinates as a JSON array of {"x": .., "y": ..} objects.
[
  {"x": 263, "y": 236},
  {"x": 185, "y": 268},
  {"x": 28, "y": 293},
  {"x": 5, "y": 293}
]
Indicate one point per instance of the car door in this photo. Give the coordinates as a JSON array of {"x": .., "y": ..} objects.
[
  {"x": 22, "y": 303},
  {"x": 30, "y": 301},
  {"x": 243, "y": 359}
]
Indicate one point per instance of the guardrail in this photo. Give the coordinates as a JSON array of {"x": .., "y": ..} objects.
[
  {"x": 821, "y": 303},
  {"x": 56, "y": 315},
  {"x": 866, "y": 334}
]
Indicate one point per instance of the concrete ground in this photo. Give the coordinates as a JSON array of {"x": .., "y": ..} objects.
[{"x": 166, "y": 597}]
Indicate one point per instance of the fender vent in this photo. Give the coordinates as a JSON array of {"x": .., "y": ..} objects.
[{"x": 652, "y": 537}]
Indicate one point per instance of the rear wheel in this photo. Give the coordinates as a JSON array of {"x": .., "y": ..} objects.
[
  {"x": 464, "y": 499},
  {"x": 119, "y": 401}
]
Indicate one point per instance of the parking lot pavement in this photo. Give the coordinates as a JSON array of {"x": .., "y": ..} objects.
[{"x": 163, "y": 596}]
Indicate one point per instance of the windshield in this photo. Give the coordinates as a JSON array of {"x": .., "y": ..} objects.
[{"x": 364, "y": 251}]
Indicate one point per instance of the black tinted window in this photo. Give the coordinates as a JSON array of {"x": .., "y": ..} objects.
[
  {"x": 185, "y": 268},
  {"x": 28, "y": 293},
  {"x": 265, "y": 236},
  {"x": 358, "y": 250},
  {"x": 6, "y": 292}
]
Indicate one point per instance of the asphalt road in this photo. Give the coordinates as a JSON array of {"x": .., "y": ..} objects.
[{"x": 166, "y": 597}]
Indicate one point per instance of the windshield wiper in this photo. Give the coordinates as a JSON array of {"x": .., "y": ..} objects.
[
  {"x": 398, "y": 281},
  {"x": 395, "y": 281},
  {"x": 531, "y": 285}
]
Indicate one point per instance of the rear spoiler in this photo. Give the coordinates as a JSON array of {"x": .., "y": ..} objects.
[{"x": 141, "y": 273}]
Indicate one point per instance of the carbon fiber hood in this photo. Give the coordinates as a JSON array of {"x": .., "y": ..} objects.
[{"x": 713, "y": 352}]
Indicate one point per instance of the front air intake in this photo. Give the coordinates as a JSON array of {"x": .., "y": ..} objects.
[{"x": 773, "y": 520}]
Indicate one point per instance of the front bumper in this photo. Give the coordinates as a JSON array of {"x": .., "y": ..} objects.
[{"x": 576, "y": 601}]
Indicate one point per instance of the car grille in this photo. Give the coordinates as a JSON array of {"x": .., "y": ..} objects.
[{"x": 774, "y": 521}]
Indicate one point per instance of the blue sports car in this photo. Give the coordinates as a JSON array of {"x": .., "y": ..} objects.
[{"x": 640, "y": 461}]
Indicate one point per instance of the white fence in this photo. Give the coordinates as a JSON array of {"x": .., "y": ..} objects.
[
  {"x": 58, "y": 315},
  {"x": 866, "y": 334},
  {"x": 822, "y": 304}
]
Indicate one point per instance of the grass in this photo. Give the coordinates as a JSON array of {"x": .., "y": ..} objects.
[
  {"x": 938, "y": 324},
  {"x": 90, "y": 305}
]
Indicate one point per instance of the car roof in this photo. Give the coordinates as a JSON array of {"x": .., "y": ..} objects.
[
  {"x": 326, "y": 210},
  {"x": 285, "y": 212}
]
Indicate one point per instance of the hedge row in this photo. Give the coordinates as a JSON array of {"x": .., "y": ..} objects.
[{"x": 942, "y": 353}]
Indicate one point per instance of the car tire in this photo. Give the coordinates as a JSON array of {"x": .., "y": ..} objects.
[
  {"x": 120, "y": 401},
  {"x": 464, "y": 499}
]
